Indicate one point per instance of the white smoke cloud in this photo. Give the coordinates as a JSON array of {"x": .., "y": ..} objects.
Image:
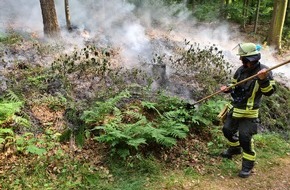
[
  {"x": 123, "y": 25},
  {"x": 21, "y": 14}
]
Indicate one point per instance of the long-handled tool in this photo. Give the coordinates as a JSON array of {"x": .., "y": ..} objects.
[{"x": 242, "y": 81}]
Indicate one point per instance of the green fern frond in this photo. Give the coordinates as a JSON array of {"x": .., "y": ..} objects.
[
  {"x": 136, "y": 142},
  {"x": 2, "y": 140},
  {"x": 150, "y": 105},
  {"x": 12, "y": 97},
  {"x": 135, "y": 115},
  {"x": 113, "y": 137},
  {"x": 166, "y": 141},
  {"x": 197, "y": 119},
  {"x": 22, "y": 121},
  {"x": 160, "y": 136},
  {"x": 175, "y": 129},
  {"x": 6, "y": 132},
  {"x": 101, "y": 109},
  {"x": 8, "y": 109}
]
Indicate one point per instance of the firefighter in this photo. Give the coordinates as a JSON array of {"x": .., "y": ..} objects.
[{"x": 241, "y": 122}]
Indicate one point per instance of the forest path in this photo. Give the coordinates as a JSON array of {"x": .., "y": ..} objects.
[{"x": 274, "y": 177}]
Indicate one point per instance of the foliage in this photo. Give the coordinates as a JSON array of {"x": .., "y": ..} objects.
[
  {"x": 55, "y": 171},
  {"x": 208, "y": 111},
  {"x": 201, "y": 62},
  {"x": 26, "y": 143},
  {"x": 87, "y": 62},
  {"x": 139, "y": 124},
  {"x": 206, "y": 12},
  {"x": 275, "y": 110},
  {"x": 101, "y": 109},
  {"x": 10, "y": 105},
  {"x": 10, "y": 38},
  {"x": 129, "y": 128},
  {"x": 147, "y": 169},
  {"x": 6, "y": 135},
  {"x": 122, "y": 112},
  {"x": 269, "y": 143},
  {"x": 217, "y": 142}
]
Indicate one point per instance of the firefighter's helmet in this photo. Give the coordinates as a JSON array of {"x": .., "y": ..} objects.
[
  {"x": 248, "y": 49},
  {"x": 249, "y": 52}
]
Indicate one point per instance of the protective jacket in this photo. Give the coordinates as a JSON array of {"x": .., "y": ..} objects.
[{"x": 247, "y": 96}]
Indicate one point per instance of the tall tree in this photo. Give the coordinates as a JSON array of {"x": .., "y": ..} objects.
[
  {"x": 245, "y": 12},
  {"x": 257, "y": 16},
  {"x": 67, "y": 15},
  {"x": 277, "y": 23},
  {"x": 49, "y": 17},
  {"x": 287, "y": 19}
]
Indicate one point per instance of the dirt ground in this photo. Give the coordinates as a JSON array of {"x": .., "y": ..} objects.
[{"x": 275, "y": 177}]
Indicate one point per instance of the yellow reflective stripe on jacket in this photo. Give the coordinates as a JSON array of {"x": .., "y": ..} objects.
[
  {"x": 230, "y": 106},
  {"x": 268, "y": 88},
  {"x": 245, "y": 113},
  {"x": 250, "y": 102},
  {"x": 234, "y": 143}
]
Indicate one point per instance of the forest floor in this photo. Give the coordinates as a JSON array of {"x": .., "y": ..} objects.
[{"x": 274, "y": 177}]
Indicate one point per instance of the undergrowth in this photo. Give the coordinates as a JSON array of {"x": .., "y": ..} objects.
[{"x": 135, "y": 129}]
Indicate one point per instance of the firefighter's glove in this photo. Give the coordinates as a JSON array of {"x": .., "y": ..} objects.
[
  {"x": 262, "y": 74},
  {"x": 225, "y": 89}
]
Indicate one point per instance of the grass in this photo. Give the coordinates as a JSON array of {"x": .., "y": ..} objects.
[
  {"x": 62, "y": 171},
  {"x": 11, "y": 38}
]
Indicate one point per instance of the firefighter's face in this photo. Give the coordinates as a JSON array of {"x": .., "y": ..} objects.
[{"x": 245, "y": 62}]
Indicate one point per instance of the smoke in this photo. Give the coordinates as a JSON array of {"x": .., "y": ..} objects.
[
  {"x": 21, "y": 14},
  {"x": 138, "y": 31}
]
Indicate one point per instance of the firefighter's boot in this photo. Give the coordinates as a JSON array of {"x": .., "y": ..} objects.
[
  {"x": 247, "y": 167},
  {"x": 231, "y": 151}
]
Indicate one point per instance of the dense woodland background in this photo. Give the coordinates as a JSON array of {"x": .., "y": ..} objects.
[{"x": 100, "y": 94}]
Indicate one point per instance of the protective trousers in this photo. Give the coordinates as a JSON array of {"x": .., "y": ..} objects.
[{"x": 239, "y": 132}]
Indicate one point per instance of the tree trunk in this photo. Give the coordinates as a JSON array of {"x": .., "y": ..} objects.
[
  {"x": 67, "y": 15},
  {"x": 245, "y": 12},
  {"x": 287, "y": 19},
  {"x": 49, "y": 17},
  {"x": 257, "y": 16},
  {"x": 277, "y": 23}
]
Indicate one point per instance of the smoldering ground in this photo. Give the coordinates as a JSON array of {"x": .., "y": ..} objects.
[{"x": 138, "y": 30}]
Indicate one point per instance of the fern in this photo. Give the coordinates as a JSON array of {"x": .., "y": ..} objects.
[
  {"x": 175, "y": 129},
  {"x": 101, "y": 109},
  {"x": 208, "y": 112},
  {"x": 35, "y": 150},
  {"x": 21, "y": 121},
  {"x": 8, "y": 109},
  {"x": 113, "y": 134},
  {"x": 160, "y": 136},
  {"x": 27, "y": 143},
  {"x": 12, "y": 97},
  {"x": 136, "y": 142},
  {"x": 150, "y": 105},
  {"x": 9, "y": 105},
  {"x": 180, "y": 115},
  {"x": 123, "y": 137},
  {"x": 5, "y": 134}
]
